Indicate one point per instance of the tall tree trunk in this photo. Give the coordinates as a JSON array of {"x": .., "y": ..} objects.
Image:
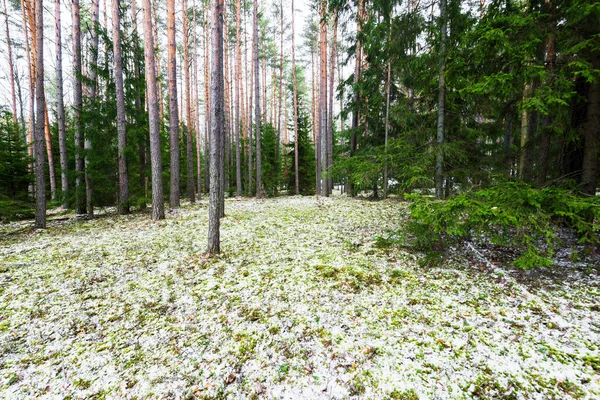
[
  {"x": 174, "y": 200},
  {"x": 161, "y": 106},
  {"x": 323, "y": 100},
  {"x": 158, "y": 208},
  {"x": 60, "y": 107},
  {"x": 295, "y": 100},
  {"x": 217, "y": 128},
  {"x": 40, "y": 180},
  {"x": 206, "y": 102},
  {"x": 591, "y": 136},
  {"x": 387, "y": 116},
  {"x": 249, "y": 80},
  {"x": 331, "y": 89},
  {"x": 11, "y": 67},
  {"x": 48, "y": 137},
  {"x": 508, "y": 136},
  {"x": 357, "y": 71},
  {"x": 123, "y": 202},
  {"x": 138, "y": 106},
  {"x": 547, "y": 119},
  {"x": 441, "y": 117},
  {"x": 91, "y": 91},
  {"x": 238, "y": 98},
  {"x": 227, "y": 111},
  {"x": 524, "y": 160},
  {"x": 280, "y": 89},
  {"x": 257, "y": 101},
  {"x": 188, "y": 105},
  {"x": 80, "y": 204},
  {"x": 31, "y": 74},
  {"x": 198, "y": 130}
]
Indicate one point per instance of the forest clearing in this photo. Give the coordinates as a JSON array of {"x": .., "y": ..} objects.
[{"x": 301, "y": 304}]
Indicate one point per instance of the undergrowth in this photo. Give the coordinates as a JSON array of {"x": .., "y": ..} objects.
[{"x": 510, "y": 214}]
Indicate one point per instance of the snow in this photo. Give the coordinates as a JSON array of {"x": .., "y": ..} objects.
[{"x": 300, "y": 305}]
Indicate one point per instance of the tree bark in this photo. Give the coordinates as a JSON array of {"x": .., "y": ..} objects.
[
  {"x": 591, "y": 135},
  {"x": 295, "y": 100},
  {"x": 48, "y": 138},
  {"x": 123, "y": 201},
  {"x": 323, "y": 100},
  {"x": 357, "y": 71},
  {"x": 387, "y": 117},
  {"x": 331, "y": 90},
  {"x": 257, "y": 102},
  {"x": 217, "y": 128},
  {"x": 60, "y": 107},
  {"x": 441, "y": 120},
  {"x": 80, "y": 203},
  {"x": 174, "y": 199},
  {"x": 238, "y": 99},
  {"x": 188, "y": 105},
  {"x": 11, "y": 67},
  {"x": 40, "y": 180},
  {"x": 91, "y": 90},
  {"x": 158, "y": 208}
]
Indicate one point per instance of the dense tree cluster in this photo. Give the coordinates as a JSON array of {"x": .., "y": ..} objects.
[{"x": 382, "y": 97}]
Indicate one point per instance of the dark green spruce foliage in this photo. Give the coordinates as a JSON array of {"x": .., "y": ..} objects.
[
  {"x": 306, "y": 157},
  {"x": 510, "y": 214},
  {"x": 14, "y": 170}
]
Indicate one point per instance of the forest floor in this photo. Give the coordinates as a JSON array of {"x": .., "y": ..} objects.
[{"x": 302, "y": 304}]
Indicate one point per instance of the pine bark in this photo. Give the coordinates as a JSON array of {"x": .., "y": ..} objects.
[
  {"x": 591, "y": 136},
  {"x": 174, "y": 198},
  {"x": 123, "y": 200},
  {"x": 295, "y": 100},
  {"x": 238, "y": 98},
  {"x": 60, "y": 107},
  {"x": 387, "y": 118},
  {"x": 257, "y": 115},
  {"x": 11, "y": 67},
  {"x": 158, "y": 208},
  {"x": 49, "y": 153},
  {"x": 217, "y": 128},
  {"x": 357, "y": 71},
  {"x": 189, "y": 122},
  {"x": 331, "y": 90},
  {"x": 91, "y": 90},
  {"x": 40, "y": 180},
  {"x": 441, "y": 120},
  {"x": 80, "y": 203},
  {"x": 323, "y": 100}
]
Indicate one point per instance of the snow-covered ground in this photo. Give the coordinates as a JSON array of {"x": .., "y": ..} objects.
[{"x": 300, "y": 305}]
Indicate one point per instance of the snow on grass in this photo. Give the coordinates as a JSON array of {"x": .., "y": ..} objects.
[{"x": 301, "y": 304}]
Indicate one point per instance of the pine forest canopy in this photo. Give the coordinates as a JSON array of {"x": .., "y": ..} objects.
[{"x": 106, "y": 102}]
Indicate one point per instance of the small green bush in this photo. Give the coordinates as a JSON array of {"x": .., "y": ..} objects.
[{"x": 510, "y": 213}]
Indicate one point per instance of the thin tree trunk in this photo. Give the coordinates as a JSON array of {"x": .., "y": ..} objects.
[
  {"x": 323, "y": 100},
  {"x": 508, "y": 137},
  {"x": 216, "y": 131},
  {"x": 357, "y": 71},
  {"x": 174, "y": 199},
  {"x": 60, "y": 107},
  {"x": 11, "y": 67},
  {"x": 48, "y": 137},
  {"x": 123, "y": 202},
  {"x": 547, "y": 119},
  {"x": 188, "y": 104},
  {"x": 161, "y": 106},
  {"x": 238, "y": 99},
  {"x": 91, "y": 91},
  {"x": 257, "y": 102},
  {"x": 439, "y": 159},
  {"x": 249, "y": 80},
  {"x": 227, "y": 111},
  {"x": 331, "y": 90},
  {"x": 31, "y": 71},
  {"x": 40, "y": 180},
  {"x": 523, "y": 168},
  {"x": 387, "y": 119},
  {"x": 198, "y": 130},
  {"x": 158, "y": 209},
  {"x": 80, "y": 204},
  {"x": 295, "y": 100},
  {"x": 206, "y": 102}
]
